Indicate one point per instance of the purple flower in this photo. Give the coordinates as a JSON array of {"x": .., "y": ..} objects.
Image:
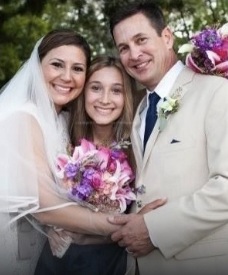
[
  {"x": 71, "y": 170},
  {"x": 93, "y": 178},
  {"x": 118, "y": 154},
  {"x": 207, "y": 39},
  {"x": 88, "y": 173},
  {"x": 82, "y": 191},
  {"x": 201, "y": 59}
]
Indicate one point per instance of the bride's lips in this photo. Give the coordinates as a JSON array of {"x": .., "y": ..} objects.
[{"x": 62, "y": 89}]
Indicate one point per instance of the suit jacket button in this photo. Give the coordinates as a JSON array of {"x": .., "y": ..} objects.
[
  {"x": 139, "y": 203},
  {"x": 141, "y": 189}
]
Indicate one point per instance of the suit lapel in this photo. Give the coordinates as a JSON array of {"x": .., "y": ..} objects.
[
  {"x": 135, "y": 138},
  {"x": 180, "y": 86}
]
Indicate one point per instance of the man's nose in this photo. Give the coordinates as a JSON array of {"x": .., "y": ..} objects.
[{"x": 134, "y": 53}]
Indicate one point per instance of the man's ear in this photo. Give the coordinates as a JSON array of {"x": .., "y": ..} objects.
[{"x": 168, "y": 37}]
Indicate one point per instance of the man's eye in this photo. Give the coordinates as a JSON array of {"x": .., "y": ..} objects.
[
  {"x": 122, "y": 49},
  {"x": 142, "y": 40}
]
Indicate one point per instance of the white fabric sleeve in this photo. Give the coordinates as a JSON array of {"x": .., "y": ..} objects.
[{"x": 28, "y": 183}]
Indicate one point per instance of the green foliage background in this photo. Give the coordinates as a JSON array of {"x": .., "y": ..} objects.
[{"x": 23, "y": 22}]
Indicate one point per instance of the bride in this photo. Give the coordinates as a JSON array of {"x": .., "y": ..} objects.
[{"x": 34, "y": 106}]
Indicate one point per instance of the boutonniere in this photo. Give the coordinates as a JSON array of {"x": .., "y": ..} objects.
[{"x": 169, "y": 105}]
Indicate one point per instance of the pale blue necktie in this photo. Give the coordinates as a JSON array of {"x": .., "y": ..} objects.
[{"x": 151, "y": 116}]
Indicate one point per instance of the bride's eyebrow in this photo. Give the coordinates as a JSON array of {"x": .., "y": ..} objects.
[{"x": 54, "y": 59}]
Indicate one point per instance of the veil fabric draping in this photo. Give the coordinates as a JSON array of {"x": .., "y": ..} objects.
[{"x": 31, "y": 135}]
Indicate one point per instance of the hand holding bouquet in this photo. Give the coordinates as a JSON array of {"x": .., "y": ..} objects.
[
  {"x": 97, "y": 177},
  {"x": 208, "y": 51}
]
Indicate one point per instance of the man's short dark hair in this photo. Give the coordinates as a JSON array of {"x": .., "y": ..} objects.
[{"x": 151, "y": 11}]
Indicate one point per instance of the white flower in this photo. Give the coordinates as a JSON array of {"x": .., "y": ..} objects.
[
  {"x": 223, "y": 30},
  {"x": 169, "y": 105},
  {"x": 186, "y": 48}
]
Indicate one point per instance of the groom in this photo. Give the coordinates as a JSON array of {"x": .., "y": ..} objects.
[{"x": 185, "y": 158}]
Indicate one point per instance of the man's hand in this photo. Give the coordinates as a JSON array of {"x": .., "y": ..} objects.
[
  {"x": 152, "y": 205},
  {"x": 134, "y": 234}
]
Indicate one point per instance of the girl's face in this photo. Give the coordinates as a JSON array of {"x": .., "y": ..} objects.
[
  {"x": 104, "y": 99},
  {"x": 64, "y": 70}
]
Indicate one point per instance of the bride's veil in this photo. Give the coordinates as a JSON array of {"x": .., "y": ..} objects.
[{"x": 27, "y": 118}]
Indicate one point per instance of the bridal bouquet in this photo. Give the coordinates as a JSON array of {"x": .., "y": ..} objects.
[
  {"x": 97, "y": 177},
  {"x": 207, "y": 51}
]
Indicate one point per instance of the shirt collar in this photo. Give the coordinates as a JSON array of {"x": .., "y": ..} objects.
[{"x": 164, "y": 86}]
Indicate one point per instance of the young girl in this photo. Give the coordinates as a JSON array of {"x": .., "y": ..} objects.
[{"x": 103, "y": 114}]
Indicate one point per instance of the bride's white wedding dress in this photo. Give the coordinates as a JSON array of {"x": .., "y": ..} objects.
[
  {"x": 24, "y": 172},
  {"x": 20, "y": 248}
]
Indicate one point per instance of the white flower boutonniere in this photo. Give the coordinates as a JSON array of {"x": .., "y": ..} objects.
[{"x": 169, "y": 105}]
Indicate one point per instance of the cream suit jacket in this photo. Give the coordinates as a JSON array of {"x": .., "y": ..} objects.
[{"x": 187, "y": 162}]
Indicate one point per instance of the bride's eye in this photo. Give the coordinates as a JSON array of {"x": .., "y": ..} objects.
[
  {"x": 78, "y": 69},
  {"x": 57, "y": 64}
]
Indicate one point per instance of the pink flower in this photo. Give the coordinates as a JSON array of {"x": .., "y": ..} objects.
[
  {"x": 111, "y": 167},
  {"x": 103, "y": 156},
  {"x": 87, "y": 145},
  {"x": 124, "y": 195},
  {"x": 96, "y": 181},
  {"x": 61, "y": 162}
]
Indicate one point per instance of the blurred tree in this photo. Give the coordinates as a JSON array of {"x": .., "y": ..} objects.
[
  {"x": 22, "y": 22},
  {"x": 20, "y": 25}
]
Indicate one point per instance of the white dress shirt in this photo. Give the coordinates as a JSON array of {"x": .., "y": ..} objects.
[{"x": 162, "y": 89}]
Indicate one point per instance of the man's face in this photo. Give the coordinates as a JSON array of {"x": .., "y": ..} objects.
[{"x": 145, "y": 55}]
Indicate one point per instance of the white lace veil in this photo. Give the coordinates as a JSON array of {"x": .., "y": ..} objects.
[{"x": 29, "y": 141}]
